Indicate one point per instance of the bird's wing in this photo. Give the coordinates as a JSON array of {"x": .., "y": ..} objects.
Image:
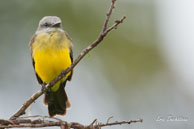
[{"x": 33, "y": 62}]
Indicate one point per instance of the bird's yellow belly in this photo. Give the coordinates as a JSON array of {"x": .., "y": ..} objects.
[{"x": 50, "y": 62}]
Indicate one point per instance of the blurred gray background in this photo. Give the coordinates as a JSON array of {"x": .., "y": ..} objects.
[{"x": 144, "y": 69}]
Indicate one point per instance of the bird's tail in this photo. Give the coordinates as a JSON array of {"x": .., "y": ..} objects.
[{"x": 57, "y": 101}]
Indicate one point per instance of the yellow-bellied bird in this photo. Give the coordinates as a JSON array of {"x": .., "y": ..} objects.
[{"x": 51, "y": 51}]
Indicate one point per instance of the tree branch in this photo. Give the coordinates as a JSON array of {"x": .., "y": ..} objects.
[
  {"x": 41, "y": 122},
  {"x": 101, "y": 36}
]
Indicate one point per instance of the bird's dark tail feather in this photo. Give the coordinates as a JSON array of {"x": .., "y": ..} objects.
[{"x": 57, "y": 101}]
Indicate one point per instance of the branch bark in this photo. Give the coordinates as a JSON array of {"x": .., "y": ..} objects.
[{"x": 41, "y": 122}]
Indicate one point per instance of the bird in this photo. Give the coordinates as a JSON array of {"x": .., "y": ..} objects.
[{"x": 51, "y": 53}]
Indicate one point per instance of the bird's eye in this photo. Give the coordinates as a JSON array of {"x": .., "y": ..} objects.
[{"x": 46, "y": 24}]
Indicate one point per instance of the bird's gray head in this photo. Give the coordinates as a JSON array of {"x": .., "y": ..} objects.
[{"x": 49, "y": 22}]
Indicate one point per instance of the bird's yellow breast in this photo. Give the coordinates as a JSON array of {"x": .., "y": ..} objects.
[{"x": 51, "y": 53}]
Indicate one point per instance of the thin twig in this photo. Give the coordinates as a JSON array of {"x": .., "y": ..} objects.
[
  {"x": 101, "y": 36},
  {"x": 108, "y": 15},
  {"x": 122, "y": 122},
  {"x": 93, "y": 122},
  {"x": 109, "y": 119}
]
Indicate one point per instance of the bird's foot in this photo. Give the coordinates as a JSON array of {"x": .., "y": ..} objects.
[{"x": 43, "y": 87}]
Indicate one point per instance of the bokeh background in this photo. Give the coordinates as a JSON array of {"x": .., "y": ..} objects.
[{"x": 144, "y": 69}]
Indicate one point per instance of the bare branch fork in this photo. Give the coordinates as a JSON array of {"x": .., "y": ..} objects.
[{"x": 16, "y": 121}]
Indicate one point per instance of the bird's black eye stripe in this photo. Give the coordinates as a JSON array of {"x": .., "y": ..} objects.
[
  {"x": 45, "y": 25},
  {"x": 57, "y": 25}
]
